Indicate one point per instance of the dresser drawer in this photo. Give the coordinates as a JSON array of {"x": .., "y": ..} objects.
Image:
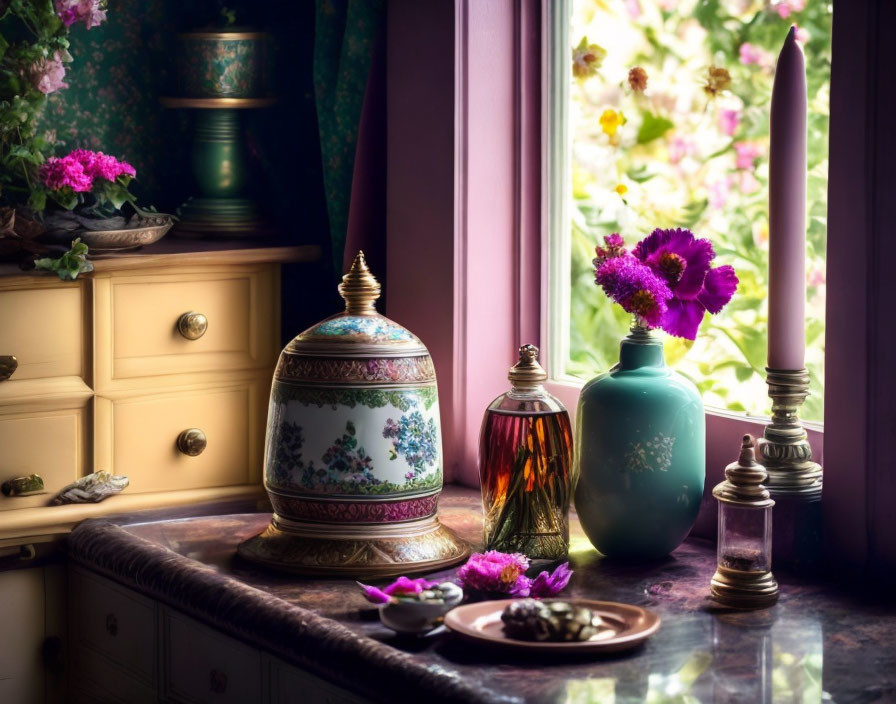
[
  {"x": 204, "y": 666},
  {"x": 146, "y": 430},
  {"x": 138, "y": 332},
  {"x": 50, "y": 443},
  {"x": 112, "y": 622},
  {"x": 290, "y": 685},
  {"x": 42, "y": 327}
]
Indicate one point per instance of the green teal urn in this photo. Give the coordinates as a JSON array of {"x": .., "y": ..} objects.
[{"x": 640, "y": 454}]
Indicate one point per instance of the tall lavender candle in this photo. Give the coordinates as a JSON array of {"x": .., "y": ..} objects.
[{"x": 787, "y": 211}]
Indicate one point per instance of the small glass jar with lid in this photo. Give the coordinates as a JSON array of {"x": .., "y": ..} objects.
[
  {"x": 743, "y": 577},
  {"x": 525, "y": 465}
]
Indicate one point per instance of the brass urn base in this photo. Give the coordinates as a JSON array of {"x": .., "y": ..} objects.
[
  {"x": 363, "y": 551},
  {"x": 743, "y": 590}
]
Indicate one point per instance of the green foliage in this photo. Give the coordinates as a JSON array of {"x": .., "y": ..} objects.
[
  {"x": 653, "y": 127},
  {"x": 679, "y": 164},
  {"x": 70, "y": 264},
  {"x": 30, "y": 32}
]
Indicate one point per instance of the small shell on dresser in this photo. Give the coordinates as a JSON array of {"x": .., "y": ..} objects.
[{"x": 91, "y": 489}]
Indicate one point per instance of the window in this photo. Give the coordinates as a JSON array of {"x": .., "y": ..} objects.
[{"x": 679, "y": 154}]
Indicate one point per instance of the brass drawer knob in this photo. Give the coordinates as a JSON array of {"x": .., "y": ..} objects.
[
  {"x": 8, "y": 365},
  {"x": 192, "y": 442},
  {"x": 23, "y": 486},
  {"x": 192, "y": 325}
]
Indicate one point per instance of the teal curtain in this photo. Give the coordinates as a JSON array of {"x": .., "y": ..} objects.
[{"x": 344, "y": 38}]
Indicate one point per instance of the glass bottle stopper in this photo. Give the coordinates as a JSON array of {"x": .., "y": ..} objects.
[
  {"x": 527, "y": 373},
  {"x": 743, "y": 479}
]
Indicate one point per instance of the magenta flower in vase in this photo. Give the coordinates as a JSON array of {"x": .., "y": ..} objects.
[
  {"x": 667, "y": 281},
  {"x": 640, "y": 451}
]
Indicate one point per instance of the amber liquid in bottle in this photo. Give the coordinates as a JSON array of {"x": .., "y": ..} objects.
[{"x": 525, "y": 461}]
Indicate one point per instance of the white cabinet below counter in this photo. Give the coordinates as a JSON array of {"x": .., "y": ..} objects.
[{"x": 128, "y": 648}]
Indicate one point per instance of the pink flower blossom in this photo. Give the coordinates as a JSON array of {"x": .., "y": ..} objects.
[
  {"x": 785, "y": 7},
  {"x": 496, "y": 572},
  {"x": 403, "y": 586},
  {"x": 748, "y": 183},
  {"x": 684, "y": 263},
  {"x": 816, "y": 277},
  {"x": 635, "y": 287},
  {"x": 58, "y": 173},
  {"x": 718, "y": 193},
  {"x": 90, "y": 12},
  {"x": 633, "y": 7},
  {"x": 99, "y": 165},
  {"x": 548, "y": 585},
  {"x": 747, "y": 153},
  {"x": 80, "y": 168},
  {"x": 752, "y": 54},
  {"x": 680, "y": 147},
  {"x": 499, "y": 573},
  {"x": 801, "y": 35},
  {"x": 48, "y": 73},
  {"x": 728, "y": 121}
]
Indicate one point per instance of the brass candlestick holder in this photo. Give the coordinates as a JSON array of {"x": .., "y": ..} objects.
[{"x": 785, "y": 446}]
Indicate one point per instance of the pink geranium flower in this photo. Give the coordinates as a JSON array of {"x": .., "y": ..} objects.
[
  {"x": 99, "y": 165},
  {"x": 58, "y": 173}
]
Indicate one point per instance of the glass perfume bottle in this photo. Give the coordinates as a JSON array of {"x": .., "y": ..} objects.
[
  {"x": 525, "y": 465},
  {"x": 743, "y": 578}
]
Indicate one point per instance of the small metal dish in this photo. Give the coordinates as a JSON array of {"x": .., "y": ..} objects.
[{"x": 151, "y": 229}]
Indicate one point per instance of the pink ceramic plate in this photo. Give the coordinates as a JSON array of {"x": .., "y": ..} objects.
[{"x": 626, "y": 626}]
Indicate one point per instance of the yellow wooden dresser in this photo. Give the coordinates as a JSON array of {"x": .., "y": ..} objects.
[{"x": 156, "y": 366}]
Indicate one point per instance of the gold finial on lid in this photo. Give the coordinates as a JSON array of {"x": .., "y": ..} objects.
[
  {"x": 527, "y": 372},
  {"x": 743, "y": 479},
  {"x": 359, "y": 288}
]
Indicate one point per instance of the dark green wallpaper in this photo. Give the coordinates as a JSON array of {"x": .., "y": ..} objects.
[{"x": 122, "y": 67}]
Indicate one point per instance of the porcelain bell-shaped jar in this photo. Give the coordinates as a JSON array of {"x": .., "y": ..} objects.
[{"x": 353, "y": 455}]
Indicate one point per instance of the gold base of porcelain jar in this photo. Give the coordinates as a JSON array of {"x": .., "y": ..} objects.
[{"x": 353, "y": 455}]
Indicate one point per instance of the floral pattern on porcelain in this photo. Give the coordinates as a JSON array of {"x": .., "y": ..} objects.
[
  {"x": 320, "y": 441},
  {"x": 372, "y": 328},
  {"x": 415, "y": 440},
  {"x": 221, "y": 67},
  {"x": 403, "y": 399}
]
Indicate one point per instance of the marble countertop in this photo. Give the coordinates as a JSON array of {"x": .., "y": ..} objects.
[{"x": 815, "y": 645}]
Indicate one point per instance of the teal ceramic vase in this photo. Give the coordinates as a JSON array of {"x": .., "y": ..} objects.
[{"x": 640, "y": 454}]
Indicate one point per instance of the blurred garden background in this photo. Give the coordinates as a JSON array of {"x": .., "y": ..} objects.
[{"x": 690, "y": 149}]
